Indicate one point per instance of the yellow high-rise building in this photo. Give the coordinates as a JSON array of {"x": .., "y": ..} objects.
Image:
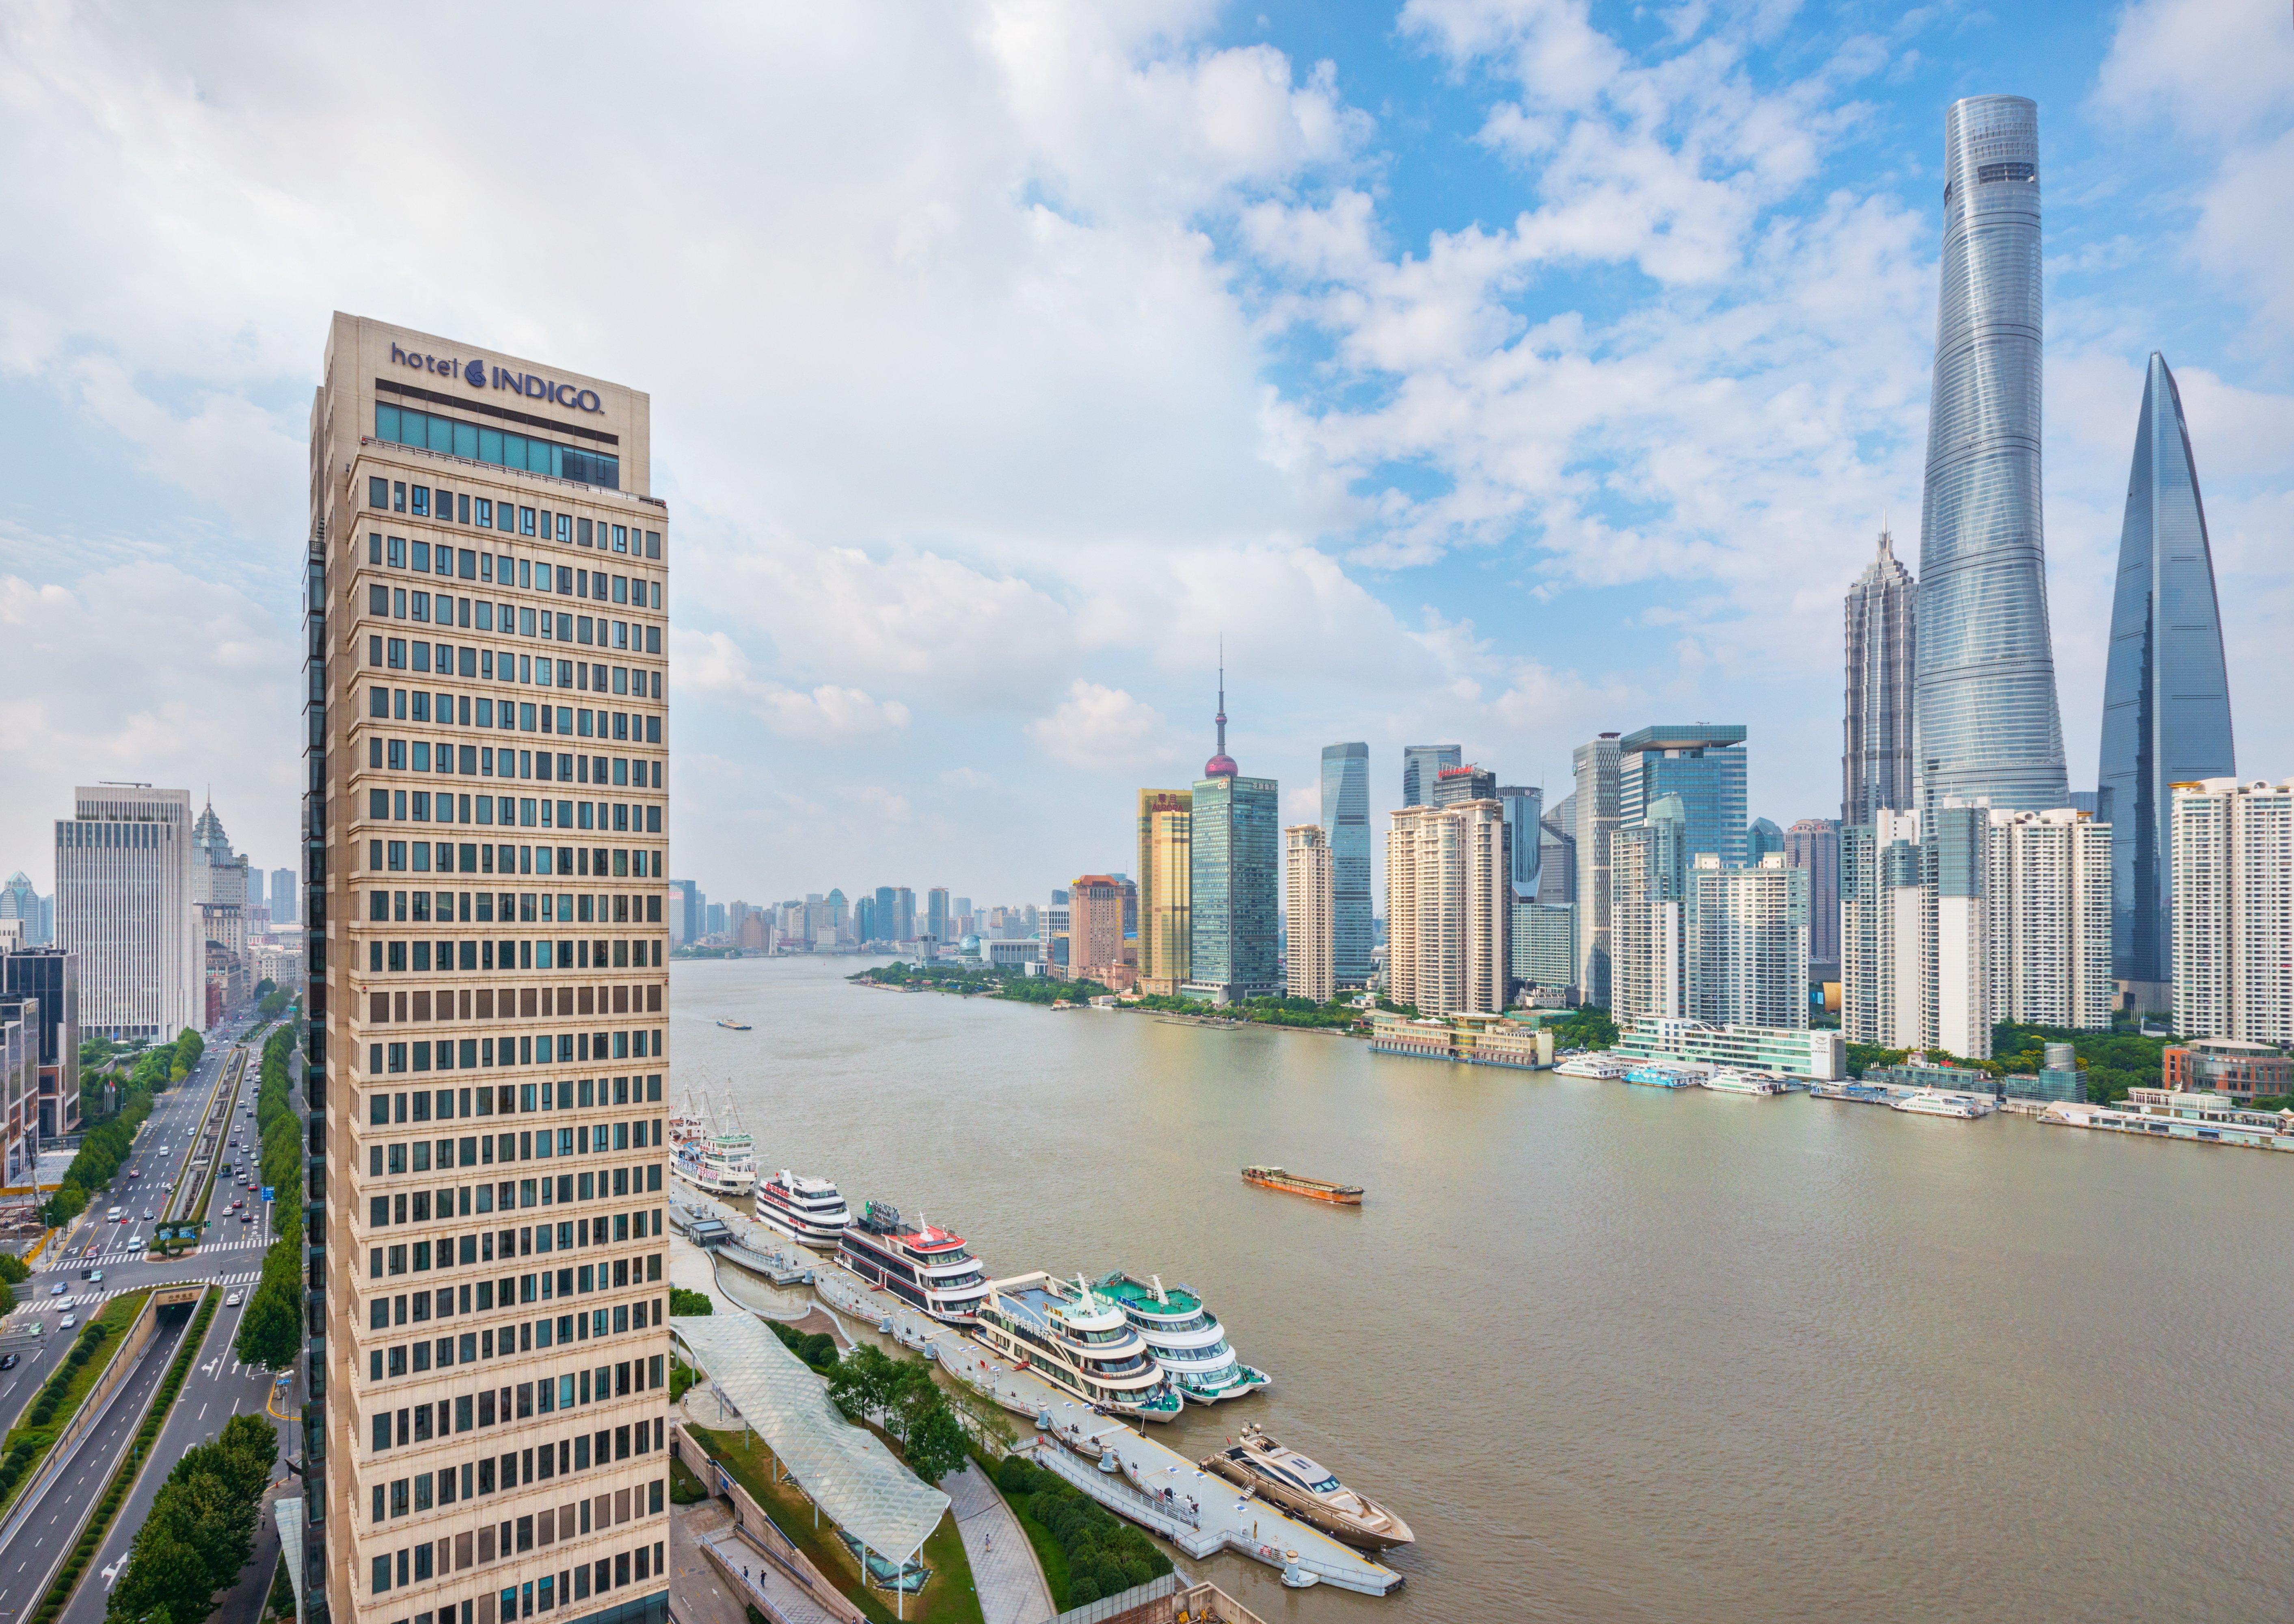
[{"x": 1166, "y": 915}]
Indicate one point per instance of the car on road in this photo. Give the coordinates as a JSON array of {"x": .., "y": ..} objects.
[
  {"x": 69, "y": 1320},
  {"x": 96, "y": 1276},
  {"x": 9, "y": 1361},
  {"x": 136, "y": 1241},
  {"x": 234, "y": 1206},
  {"x": 247, "y": 1217},
  {"x": 147, "y": 1213},
  {"x": 60, "y": 1289},
  {"x": 232, "y": 1300},
  {"x": 114, "y": 1214}
]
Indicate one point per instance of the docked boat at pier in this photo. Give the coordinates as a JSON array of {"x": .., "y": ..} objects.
[
  {"x": 1600, "y": 1067},
  {"x": 1307, "y": 1490},
  {"x": 1300, "y": 1184},
  {"x": 1662, "y": 1077},
  {"x": 811, "y": 1211},
  {"x": 1184, "y": 1337},
  {"x": 1935, "y": 1102},
  {"x": 1077, "y": 1340},
  {"x": 1743, "y": 1082},
  {"x": 926, "y": 1267},
  {"x": 721, "y": 1159}
]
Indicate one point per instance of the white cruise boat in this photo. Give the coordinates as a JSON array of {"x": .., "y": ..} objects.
[
  {"x": 926, "y": 1267},
  {"x": 1079, "y": 1341},
  {"x": 809, "y": 1212},
  {"x": 1600, "y": 1068},
  {"x": 1742, "y": 1083},
  {"x": 721, "y": 1160},
  {"x": 1932, "y": 1102},
  {"x": 686, "y": 1123},
  {"x": 1184, "y": 1337}
]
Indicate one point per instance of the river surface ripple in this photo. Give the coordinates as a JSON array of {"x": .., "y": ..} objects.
[{"x": 1615, "y": 1353}]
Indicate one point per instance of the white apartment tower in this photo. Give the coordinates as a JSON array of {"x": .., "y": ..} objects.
[
  {"x": 1308, "y": 878},
  {"x": 1648, "y": 885},
  {"x": 2051, "y": 920},
  {"x": 2233, "y": 898},
  {"x": 1915, "y": 931},
  {"x": 485, "y": 847},
  {"x": 1748, "y": 933},
  {"x": 124, "y": 904},
  {"x": 1449, "y": 903}
]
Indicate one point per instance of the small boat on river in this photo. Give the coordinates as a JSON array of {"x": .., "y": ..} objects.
[
  {"x": 735, "y": 1025},
  {"x": 1300, "y": 1184},
  {"x": 1309, "y": 1491}
]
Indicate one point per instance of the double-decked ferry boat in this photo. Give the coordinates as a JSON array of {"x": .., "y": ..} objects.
[
  {"x": 1184, "y": 1337},
  {"x": 1600, "y": 1068},
  {"x": 721, "y": 1158},
  {"x": 1936, "y": 1103},
  {"x": 1725, "y": 1082},
  {"x": 808, "y": 1210},
  {"x": 1079, "y": 1341},
  {"x": 926, "y": 1267}
]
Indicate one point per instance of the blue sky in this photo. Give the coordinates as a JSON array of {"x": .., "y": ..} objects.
[{"x": 1495, "y": 372}]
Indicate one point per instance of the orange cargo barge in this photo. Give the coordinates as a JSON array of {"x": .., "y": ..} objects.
[{"x": 1298, "y": 1184}]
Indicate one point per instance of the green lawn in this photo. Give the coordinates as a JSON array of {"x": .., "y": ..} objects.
[
  {"x": 1048, "y": 1554},
  {"x": 948, "y": 1598},
  {"x": 120, "y": 1314}
]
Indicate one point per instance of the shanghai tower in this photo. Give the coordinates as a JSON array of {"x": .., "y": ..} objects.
[
  {"x": 1984, "y": 716},
  {"x": 2166, "y": 695}
]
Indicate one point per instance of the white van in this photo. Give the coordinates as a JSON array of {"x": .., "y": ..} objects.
[{"x": 112, "y": 1216}]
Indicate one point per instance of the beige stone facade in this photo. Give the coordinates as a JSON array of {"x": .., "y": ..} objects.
[
  {"x": 1166, "y": 908},
  {"x": 487, "y": 578},
  {"x": 1309, "y": 961}
]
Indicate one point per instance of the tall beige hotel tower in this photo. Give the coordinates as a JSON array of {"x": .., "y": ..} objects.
[{"x": 485, "y": 843}]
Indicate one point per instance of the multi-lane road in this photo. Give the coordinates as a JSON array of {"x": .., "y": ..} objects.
[{"x": 219, "y": 1386}]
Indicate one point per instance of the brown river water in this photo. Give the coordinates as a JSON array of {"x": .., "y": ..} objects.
[{"x": 1614, "y": 1353}]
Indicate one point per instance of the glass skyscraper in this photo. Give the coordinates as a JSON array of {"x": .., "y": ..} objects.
[
  {"x": 1985, "y": 720},
  {"x": 1346, "y": 825},
  {"x": 1704, "y": 764},
  {"x": 2166, "y": 698},
  {"x": 1234, "y": 864},
  {"x": 1876, "y": 758},
  {"x": 1421, "y": 764}
]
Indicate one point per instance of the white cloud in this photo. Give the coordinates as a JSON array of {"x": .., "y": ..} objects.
[
  {"x": 146, "y": 674},
  {"x": 713, "y": 664},
  {"x": 1103, "y": 729}
]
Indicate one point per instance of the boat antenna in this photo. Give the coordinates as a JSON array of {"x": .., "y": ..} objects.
[{"x": 1159, "y": 1297}]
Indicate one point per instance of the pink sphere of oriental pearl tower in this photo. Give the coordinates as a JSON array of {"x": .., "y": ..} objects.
[{"x": 1222, "y": 765}]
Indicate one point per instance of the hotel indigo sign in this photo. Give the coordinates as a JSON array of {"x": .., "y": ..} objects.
[{"x": 478, "y": 374}]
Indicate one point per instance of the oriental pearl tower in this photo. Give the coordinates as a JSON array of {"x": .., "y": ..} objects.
[{"x": 1222, "y": 765}]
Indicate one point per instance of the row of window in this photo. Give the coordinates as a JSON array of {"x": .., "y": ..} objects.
[
  {"x": 397, "y": 604},
  {"x": 499, "y": 569},
  {"x": 439, "y": 907},
  {"x": 485, "y": 1247},
  {"x": 418, "y": 957},
  {"x": 384, "y": 1107},
  {"x": 604, "y": 861},
  {"x": 544, "y": 1595},
  {"x": 467, "y": 711},
  {"x": 448, "y": 1417},
  {"x": 479, "y": 1150},
  {"x": 469, "y": 661},
  {"x": 485, "y": 1054},
  {"x": 526, "y": 812},
  {"x": 477, "y": 442},
  {"x": 549, "y": 1285},
  {"x": 480, "y": 1003}
]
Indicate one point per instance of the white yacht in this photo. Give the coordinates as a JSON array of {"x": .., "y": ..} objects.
[
  {"x": 1742, "y": 1083},
  {"x": 1932, "y": 1102},
  {"x": 1600, "y": 1068},
  {"x": 1079, "y": 1341},
  {"x": 811, "y": 1211},
  {"x": 1184, "y": 1337},
  {"x": 721, "y": 1159}
]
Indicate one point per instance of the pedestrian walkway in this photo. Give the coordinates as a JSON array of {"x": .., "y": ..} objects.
[
  {"x": 1003, "y": 1572},
  {"x": 777, "y": 1595}
]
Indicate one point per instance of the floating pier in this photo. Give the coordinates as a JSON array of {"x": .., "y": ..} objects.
[{"x": 1135, "y": 1477}]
